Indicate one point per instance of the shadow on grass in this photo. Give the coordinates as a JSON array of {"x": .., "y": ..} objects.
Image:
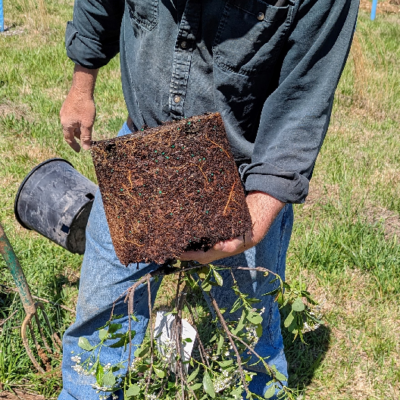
[{"x": 304, "y": 359}]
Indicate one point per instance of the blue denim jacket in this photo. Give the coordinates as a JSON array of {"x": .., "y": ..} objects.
[{"x": 269, "y": 67}]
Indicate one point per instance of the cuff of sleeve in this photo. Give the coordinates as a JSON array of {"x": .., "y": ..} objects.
[
  {"x": 286, "y": 186},
  {"x": 84, "y": 51}
]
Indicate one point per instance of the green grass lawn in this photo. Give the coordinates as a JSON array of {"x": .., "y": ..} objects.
[{"x": 345, "y": 243}]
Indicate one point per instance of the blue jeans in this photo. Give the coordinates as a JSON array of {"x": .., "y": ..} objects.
[{"x": 104, "y": 279}]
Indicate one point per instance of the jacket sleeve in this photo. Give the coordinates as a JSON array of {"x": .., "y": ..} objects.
[
  {"x": 92, "y": 38},
  {"x": 295, "y": 117}
]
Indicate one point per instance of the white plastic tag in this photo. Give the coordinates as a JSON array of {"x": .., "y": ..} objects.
[{"x": 166, "y": 344}]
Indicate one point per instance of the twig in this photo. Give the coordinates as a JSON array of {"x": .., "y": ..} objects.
[
  {"x": 267, "y": 367},
  {"x": 40, "y": 299},
  {"x": 129, "y": 298},
  {"x": 8, "y": 318},
  {"x": 151, "y": 334},
  {"x": 228, "y": 332},
  {"x": 177, "y": 332}
]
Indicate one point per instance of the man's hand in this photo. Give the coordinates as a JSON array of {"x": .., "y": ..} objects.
[
  {"x": 263, "y": 210},
  {"x": 78, "y": 111}
]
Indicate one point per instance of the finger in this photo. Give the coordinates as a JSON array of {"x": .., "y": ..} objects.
[
  {"x": 69, "y": 137},
  {"x": 191, "y": 255},
  {"x": 86, "y": 138}
]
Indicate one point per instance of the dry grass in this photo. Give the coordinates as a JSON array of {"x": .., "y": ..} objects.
[
  {"x": 365, "y": 339},
  {"x": 384, "y": 7},
  {"x": 18, "y": 395},
  {"x": 18, "y": 111}
]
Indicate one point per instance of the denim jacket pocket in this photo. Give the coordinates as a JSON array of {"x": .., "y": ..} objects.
[
  {"x": 250, "y": 34},
  {"x": 144, "y": 13}
]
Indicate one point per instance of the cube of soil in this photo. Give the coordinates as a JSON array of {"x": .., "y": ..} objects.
[{"x": 170, "y": 188}]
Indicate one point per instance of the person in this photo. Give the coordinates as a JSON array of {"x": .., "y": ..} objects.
[{"x": 270, "y": 67}]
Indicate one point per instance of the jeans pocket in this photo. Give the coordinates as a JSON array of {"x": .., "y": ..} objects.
[
  {"x": 251, "y": 34},
  {"x": 144, "y": 13}
]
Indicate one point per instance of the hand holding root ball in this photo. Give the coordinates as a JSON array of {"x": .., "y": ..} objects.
[{"x": 263, "y": 210}]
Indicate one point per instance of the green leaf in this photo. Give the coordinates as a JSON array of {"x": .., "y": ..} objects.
[
  {"x": 187, "y": 340},
  {"x": 203, "y": 272},
  {"x": 270, "y": 392},
  {"x": 109, "y": 379},
  {"x": 143, "y": 368},
  {"x": 236, "y": 393},
  {"x": 220, "y": 344},
  {"x": 236, "y": 305},
  {"x": 289, "y": 319},
  {"x": 141, "y": 351},
  {"x": 191, "y": 281},
  {"x": 99, "y": 374},
  {"x": 84, "y": 344},
  {"x": 298, "y": 305},
  {"x": 225, "y": 363},
  {"x": 103, "y": 333},
  {"x": 272, "y": 292},
  {"x": 309, "y": 298},
  {"x": 253, "y": 300},
  {"x": 280, "y": 376},
  {"x": 121, "y": 342},
  {"x": 134, "y": 318},
  {"x": 160, "y": 373},
  {"x": 259, "y": 330},
  {"x": 193, "y": 375},
  {"x": 114, "y": 328},
  {"x": 248, "y": 378},
  {"x": 218, "y": 278},
  {"x": 280, "y": 298},
  {"x": 132, "y": 391},
  {"x": 254, "y": 318},
  {"x": 208, "y": 385},
  {"x": 196, "y": 386},
  {"x": 94, "y": 367},
  {"x": 240, "y": 324}
]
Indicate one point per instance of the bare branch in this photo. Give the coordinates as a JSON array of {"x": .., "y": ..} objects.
[{"x": 228, "y": 332}]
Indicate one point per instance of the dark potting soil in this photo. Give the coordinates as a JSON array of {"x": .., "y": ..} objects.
[{"x": 170, "y": 188}]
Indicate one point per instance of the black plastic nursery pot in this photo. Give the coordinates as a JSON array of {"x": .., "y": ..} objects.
[{"x": 55, "y": 200}]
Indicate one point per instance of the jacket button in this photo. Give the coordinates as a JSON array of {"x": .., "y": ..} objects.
[
  {"x": 260, "y": 16},
  {"x": 184, "y": 44},
  {"x": 177, "y": 99}
]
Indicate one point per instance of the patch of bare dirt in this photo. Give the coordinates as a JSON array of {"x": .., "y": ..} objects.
[
  {"x": 389, "y": 218},
  {"x": 18, "y": 110},
  {"x": 320, "y": 193},
  {"x": 18, "y": 395},
  {"x": 386, "y": 7}
]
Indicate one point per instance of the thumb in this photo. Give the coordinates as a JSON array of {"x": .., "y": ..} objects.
[{"x": 86, "y": 137}]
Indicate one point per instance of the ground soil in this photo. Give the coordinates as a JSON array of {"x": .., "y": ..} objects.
[
  {"x": 386, "y": 7},
  {"x": 170, "y": 188},
  {"x": 18, "y": 395}
]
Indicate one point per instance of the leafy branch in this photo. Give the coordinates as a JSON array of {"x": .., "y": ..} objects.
[{"x": 221, "y": 366}]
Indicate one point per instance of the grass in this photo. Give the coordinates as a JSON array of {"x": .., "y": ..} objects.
[{"x": 346, "y": 237}]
